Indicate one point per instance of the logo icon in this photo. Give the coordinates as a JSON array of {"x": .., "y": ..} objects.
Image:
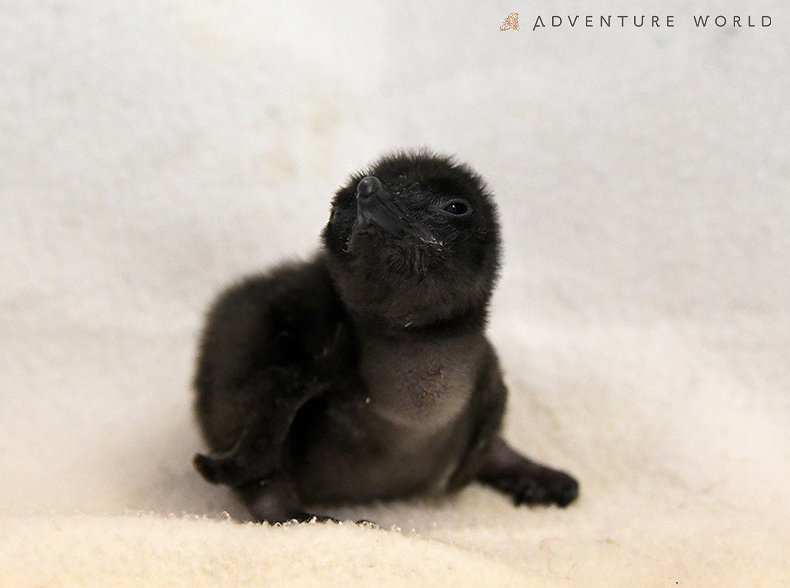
[{"x": 511, "y": 22}]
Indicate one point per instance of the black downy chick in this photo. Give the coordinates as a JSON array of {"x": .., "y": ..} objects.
[{"x": 365, "y": 374}]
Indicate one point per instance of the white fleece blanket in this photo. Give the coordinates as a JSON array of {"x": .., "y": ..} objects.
[{"x": 153, "y": 152}]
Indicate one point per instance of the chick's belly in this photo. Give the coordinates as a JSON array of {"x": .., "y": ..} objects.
[{"x": 344, "y": 465}]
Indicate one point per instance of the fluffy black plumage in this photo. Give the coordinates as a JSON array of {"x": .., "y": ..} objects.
[{"x": 365, "y": 373}]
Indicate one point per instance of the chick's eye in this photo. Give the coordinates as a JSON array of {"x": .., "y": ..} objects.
[{"x": 457, "y": 208}]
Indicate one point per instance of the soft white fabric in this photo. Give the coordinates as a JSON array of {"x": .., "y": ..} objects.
[{"x": 153, "y": 152}]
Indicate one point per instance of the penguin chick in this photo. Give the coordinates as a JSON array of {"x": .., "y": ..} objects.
[{"x": 365, "y": 374}]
